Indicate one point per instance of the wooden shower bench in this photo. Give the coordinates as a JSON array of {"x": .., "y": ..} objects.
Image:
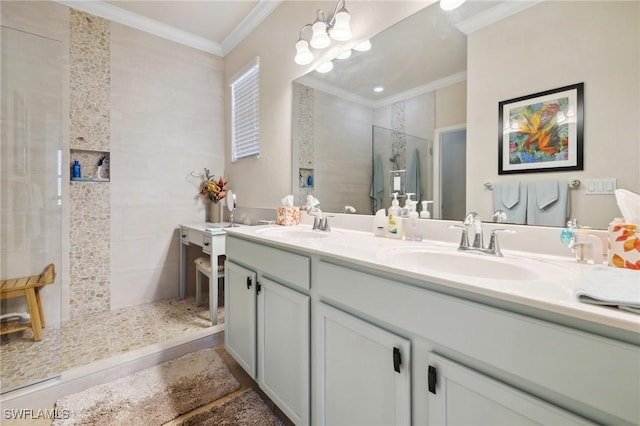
[{"x": 29, "y": 287}]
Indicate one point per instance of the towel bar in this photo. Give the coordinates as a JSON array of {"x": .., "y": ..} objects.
[{"x": 573, "y": 184}]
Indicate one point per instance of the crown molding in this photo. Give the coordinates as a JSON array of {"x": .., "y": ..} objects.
[
  {"x": 258, "y": 14},
  {"x": 416, "y": 91},
  {"x": 130, "y": 19},
  {"x": 495, "y": 14},
  {"x": 432, "y": 86},
  {"x": 314, "y": 83}
]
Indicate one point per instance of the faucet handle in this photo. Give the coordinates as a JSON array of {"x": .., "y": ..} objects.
[
  {"x": 464, "y": 240},
  {"x": 324, "y": 224},
  {"x": 494, "y": 246}
]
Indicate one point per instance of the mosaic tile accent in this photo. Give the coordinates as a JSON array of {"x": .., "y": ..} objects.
[
  {"x": 90, "y": 260},
  {"x": 398, "y": 137},
  {"x": 90, "y": 203},
  {"x": 79, "y": 342},
  {"x": 90, "y": 82}
]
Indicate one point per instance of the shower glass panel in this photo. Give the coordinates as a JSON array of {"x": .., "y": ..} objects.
[
  {"x": 398, "y": 151},
  {"x": 30, "y": 198}
]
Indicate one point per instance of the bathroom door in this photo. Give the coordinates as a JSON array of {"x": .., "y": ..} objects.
[{"x": 453, "y": 172}]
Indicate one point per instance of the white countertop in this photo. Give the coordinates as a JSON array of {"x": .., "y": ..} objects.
[{"x": 552, "y": 287}]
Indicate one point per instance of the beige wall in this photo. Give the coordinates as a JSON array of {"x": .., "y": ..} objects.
[
  {"x": 551, "y": 45},
  {"x": 166, "y": 121},
  {"x": 263, "y": 181},
  {"x": 451, "y": 104}
]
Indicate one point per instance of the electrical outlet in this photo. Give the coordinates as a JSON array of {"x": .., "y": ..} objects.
[{"x": 603, "y": 186}]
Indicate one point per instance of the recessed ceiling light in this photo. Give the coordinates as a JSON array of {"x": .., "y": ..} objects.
[{"x": 378, "y": 89}]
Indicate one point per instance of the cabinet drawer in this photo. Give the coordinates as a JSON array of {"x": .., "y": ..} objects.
[
  {"x": 583, "y": 370},
  {"x": 206, "y": 243},
  {"x": 289, "y": 268},
  {"x": 184, "y": 235}
]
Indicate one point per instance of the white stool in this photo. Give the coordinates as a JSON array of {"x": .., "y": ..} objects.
[{"x": 203, "y": 266}]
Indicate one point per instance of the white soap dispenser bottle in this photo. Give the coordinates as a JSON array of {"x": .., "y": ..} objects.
[
  {"x": 424, "y": 214},
  {"x": 394, "y": 219},
  {"x": 413, "y": 231},
  {"x": 407, "y": 205}
]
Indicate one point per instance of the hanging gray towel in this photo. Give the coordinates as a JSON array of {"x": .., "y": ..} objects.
[
  {"x": 511, "y": 197},
  {"x": 548, "y": 203},
  {"x": 377, "y": 185},
  {"x": 413, "y": 176}
]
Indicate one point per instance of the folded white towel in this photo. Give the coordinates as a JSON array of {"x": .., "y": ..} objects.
[{"x": 603, "y": 285}]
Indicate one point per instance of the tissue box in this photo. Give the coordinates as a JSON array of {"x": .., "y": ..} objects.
[
  {"x": 624, "y": 245},
  {"x": 288, "y": 216}
]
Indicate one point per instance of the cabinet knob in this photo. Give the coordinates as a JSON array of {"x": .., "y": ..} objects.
[
  {"x": 206, "y": 244},
  {"x": 248, "y": 283}
]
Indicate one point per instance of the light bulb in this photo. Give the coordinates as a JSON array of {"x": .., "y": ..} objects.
[
  {"x": 344, "y": 55},
  {"x": 303, "y": 54},
  {"x": 320, "y": 39},
  {"x": 325, "y": 67},
  {"x": 378, "y": 89},
  {"x": 363, "y": 46},
  {"x": 450, "y": 4},
  {"x": 341, "y": 30}
]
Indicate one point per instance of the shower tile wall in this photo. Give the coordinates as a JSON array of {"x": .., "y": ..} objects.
[{"x": 90, "y": 202}]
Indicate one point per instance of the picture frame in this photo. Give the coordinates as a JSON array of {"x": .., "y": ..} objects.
[{"x": 542, "y": 132}]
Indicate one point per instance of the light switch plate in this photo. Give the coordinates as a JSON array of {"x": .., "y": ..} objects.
[{"x": 602, "y": 186}]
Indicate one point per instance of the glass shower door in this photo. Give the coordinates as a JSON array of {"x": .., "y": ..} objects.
[{"x": 30, "y": 198}]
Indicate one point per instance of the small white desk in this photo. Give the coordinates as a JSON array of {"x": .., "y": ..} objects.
[{"x": 209, "y": 236}]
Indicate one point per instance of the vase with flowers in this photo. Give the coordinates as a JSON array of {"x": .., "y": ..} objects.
[{"x": 213, "y": 190}]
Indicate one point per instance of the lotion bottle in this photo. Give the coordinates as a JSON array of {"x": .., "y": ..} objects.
[
  {"x": 413, "y": 231},
  {"x": 394, "y": 219}
]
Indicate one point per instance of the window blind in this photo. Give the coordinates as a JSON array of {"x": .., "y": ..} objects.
[{"x": 245, "y": 126}]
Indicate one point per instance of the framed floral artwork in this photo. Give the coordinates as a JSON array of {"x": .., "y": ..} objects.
[{"x": 541, "y": 132}]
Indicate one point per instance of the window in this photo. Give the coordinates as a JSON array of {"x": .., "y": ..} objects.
[{"x": 245, "y": 126}]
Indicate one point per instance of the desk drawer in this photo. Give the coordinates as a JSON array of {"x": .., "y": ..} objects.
[
  {"x": 184, "y": 235},
  {"x": 206, "y": 243}
]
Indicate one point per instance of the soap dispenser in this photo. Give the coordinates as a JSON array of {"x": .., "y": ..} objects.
[
  {"x": 394, "y": 219},
  {"x": 407, "y": 205},
  {"x": 413, "y": 231},
  {"x": 424, "y": 214}
]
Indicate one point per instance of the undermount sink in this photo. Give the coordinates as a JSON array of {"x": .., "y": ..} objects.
[
  {"x": 292, "y": 233},
  {"x": 456, "y": 263}
]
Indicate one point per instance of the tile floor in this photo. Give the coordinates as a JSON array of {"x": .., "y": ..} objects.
[{"x": 80, "y": 342}]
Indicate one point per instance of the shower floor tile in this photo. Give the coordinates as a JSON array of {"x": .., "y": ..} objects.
[{"x": 79, "y": 342}]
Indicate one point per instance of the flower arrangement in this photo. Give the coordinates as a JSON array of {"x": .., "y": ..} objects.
[{"x": 211, "y": 188}]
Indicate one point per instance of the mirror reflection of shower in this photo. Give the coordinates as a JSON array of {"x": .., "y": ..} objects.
[{"x": 410, "y": 155}]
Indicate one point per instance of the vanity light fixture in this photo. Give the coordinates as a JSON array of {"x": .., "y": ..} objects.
[
  {"x": 362, "y": 46},
  {"x": 450, "y": 4},
  {"x": 344, "y": 55},
  {"x": 335, "y": 26},
  {"x": 325, "y": 67}
]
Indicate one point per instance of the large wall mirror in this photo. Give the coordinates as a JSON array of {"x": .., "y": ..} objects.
[{"x": 352, "y": 144}]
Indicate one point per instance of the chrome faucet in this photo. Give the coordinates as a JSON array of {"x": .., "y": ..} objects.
[
  {"x": 473, "y": 219},
  {"x": 320, "y": 221}
]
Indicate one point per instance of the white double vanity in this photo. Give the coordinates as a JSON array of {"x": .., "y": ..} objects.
[{"x": 345, "y": 328}]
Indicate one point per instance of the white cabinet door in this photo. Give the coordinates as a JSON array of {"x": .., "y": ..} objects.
[
  {"x": 362, "y": 372},
  {"x": 283, "y": 348},
  {"x": 240, "y": 315},
  {"x": 461, "y": 396}
]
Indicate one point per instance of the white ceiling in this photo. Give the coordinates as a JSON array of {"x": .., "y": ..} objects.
[{"x": 216, "y": 26}]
